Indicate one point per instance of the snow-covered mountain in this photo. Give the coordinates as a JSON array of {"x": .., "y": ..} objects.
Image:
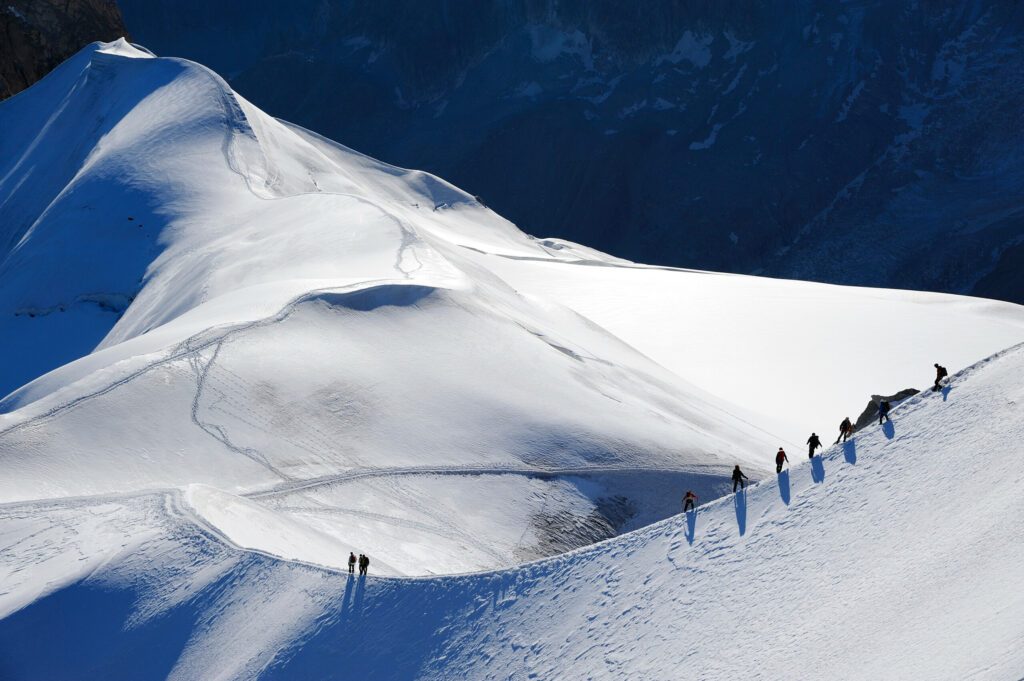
[
  {"x": 868, "y": 143},
  {"x": 322, "y": 352},
  {"x": 275, "y": 314},
  {"x": 894, "y": 556},
  {"x": 237, "y": 351}
]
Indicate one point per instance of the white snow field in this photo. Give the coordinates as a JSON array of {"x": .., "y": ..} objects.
[
  {"x": 796, "y": 356},
  {"x": 894, "y": 556},
  {"x": 320, "y": 353},
  {"x": 236, "y": 351},
  {"x": 290, "y": 320}
]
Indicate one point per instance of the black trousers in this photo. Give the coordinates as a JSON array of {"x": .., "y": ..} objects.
[
  {"x": 688, "y": 505},
  {"x": 737, "y": 482}
]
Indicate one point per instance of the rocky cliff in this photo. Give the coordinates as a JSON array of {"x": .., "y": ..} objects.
[{"x": 37, "y": 35}]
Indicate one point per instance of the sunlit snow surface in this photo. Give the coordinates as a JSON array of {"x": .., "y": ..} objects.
[
  {"x": 904, "y": 542},
  {"x": 263, "y": 347}
]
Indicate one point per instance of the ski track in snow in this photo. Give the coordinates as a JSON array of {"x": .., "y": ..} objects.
[
  {"x": 287, "y": 488},
  {"x": 188, "y": 349}
]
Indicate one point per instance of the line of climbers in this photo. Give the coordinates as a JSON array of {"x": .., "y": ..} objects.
[{"x": 813, "y": 443}]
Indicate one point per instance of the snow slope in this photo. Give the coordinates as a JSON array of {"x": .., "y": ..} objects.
[
  {"x": 895, "y": 556},
  {"x": 766, "y": 345},
  {"x": 285, "y": 318},
  {"x": 324, "y": 353}
]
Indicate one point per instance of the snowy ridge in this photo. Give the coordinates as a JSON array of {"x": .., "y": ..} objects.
[
  {"x": 842, "y": 142},
  {"x": 852, "y": 552}
]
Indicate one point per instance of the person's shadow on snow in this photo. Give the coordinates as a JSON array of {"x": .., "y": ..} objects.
[
  {"x": 691, "y": 525},
  {"x": 817, "y": 469},
  {"x": 850, "y": 451},
  {"x": 889, "y": 430},
  {"x": 346, "y": 601},
  {"x": 740, "y": 501},
  {"x": 783, "y": 487},
  {"x": 945, "y": 392},
  {"x": 357, "y": 604}
]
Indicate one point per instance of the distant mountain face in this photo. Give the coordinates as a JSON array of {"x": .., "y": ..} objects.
[
  {"x": 860, "y": 143},
  {"x": 37, "y": 35}
]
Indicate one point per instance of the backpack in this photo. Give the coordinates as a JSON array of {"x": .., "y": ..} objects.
[{"x": 885, "y": 407}]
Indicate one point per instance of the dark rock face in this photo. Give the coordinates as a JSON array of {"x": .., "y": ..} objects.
[
  {"x": 870, "y": 413},
  {"x": 857, "y": 143},
  {"x": 37, "y": 35}
]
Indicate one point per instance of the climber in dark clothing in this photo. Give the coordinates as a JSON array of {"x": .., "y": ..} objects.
[
  {"x": 813, "y": 442},
  {"x": 364, "y": 564},
  {"x": 738, "y": 478},
  {"x": 883, "y": 411},
  {"x": 351, "y": 562},
  {"x": 940, "y": 373},
  {"x": 689, "y": 501},
  {"x": 845, "y": 430},
  {"x": 780, "y": 458}
]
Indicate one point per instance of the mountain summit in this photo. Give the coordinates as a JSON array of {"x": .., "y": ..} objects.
[{"x": 875, "y": 144}]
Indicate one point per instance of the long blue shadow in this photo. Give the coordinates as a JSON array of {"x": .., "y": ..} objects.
[
  {"x": 346, "y": 601},
  {"x": 691, "y": 526},
  {"x": 850, "y": 451},
  {"x": 80, "y": 632},
  {"x": 889, "y": 430},
  {"x": 817, "y": 469},
  {"x": 783, "y": 487},
  {"x": 740, "y": 501},
  {"x": 357, "y": 606},
  {"x": 945, "y": 392}
]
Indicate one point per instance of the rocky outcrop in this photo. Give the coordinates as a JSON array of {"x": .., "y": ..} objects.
[
  {"x": 870, "y": 413},
  {"x": 37, "y": 35}
]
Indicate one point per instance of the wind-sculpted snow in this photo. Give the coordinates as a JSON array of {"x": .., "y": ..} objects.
[{"x": 892, "y": 556}]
